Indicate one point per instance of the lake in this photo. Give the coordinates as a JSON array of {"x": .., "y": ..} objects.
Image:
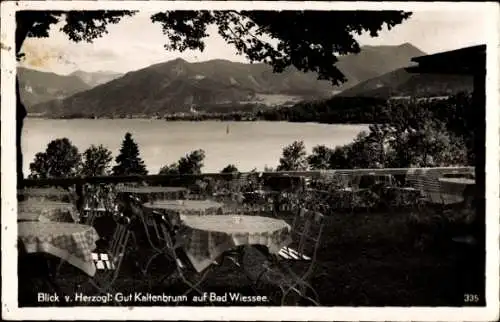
[{"x": 248, "y": 145}]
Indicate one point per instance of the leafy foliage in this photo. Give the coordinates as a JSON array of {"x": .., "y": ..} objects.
[
  {"x": 333, "y": 110},
  {"x": 189, "y": 164},
  {"x": 96, "y": 161},
  {"x": 60, "y": 159},
  {"x": 230, "y": 168},
  {"x": 294, "y": 157},
  {"x": 77, "y": 25},
  {"x": 308, "y": 40},
  {"x": 128, "y": 161},
  {"x": 414, "y": 133},
  {"x": 173, "y": 168},
  {"x": 192, "y": 162},
  {"x": 320, "y": 158}
]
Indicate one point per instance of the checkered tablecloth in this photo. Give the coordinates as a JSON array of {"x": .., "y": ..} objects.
[
  {"x": 186, "y": 207},
  {"x": 155, "y": 193},
  {"x": 73, "y": 243},
  {"x": 52, "y": 210},
  {"x": 205, "y": 238}
]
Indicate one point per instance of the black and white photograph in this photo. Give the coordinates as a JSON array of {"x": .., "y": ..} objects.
[{"x": 284, "y": 155}]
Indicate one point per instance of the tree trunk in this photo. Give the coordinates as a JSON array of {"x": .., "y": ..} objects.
[
  {"x": 24, "y": 23},
  {"x": 20, "y": 116}
]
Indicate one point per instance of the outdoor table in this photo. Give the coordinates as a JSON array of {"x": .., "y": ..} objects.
[
  {"x": 205, "y": 238},
  {"x": 455, "y": 190},
  {"x": 71, "y": 242},
  {"x": 155, "y": 193},
  {"x": 185, "y": 207},
  {"x": 52, "y": 210}
]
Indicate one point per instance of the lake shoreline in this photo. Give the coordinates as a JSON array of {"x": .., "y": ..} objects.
[
  {"x": 247, "y": 145},
  {"x": 188, "y": 120}
]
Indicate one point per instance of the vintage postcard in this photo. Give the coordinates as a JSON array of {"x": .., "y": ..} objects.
[{"x": 234, "y": 160}]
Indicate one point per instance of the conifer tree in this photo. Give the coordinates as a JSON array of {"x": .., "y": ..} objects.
[{"x": 128, "y": 161}]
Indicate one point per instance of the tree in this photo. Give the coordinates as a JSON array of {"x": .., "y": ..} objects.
[
  {"x": 189, "y": 164},
  {"x": 173, "y": 168},
  {"x": 96, "y": 161},
  {"x": 307, "y": 40},
  {"x": 364, "y": 153},
  {"x": 128, "y": 161},
  {"x": 429, "y": 145},
  {"x": 192, "y": 162},
  {"x": 60, "y": 159},
  {"x": 77, "y": 25},
  {"x": 422, "y": 134},
  {"x": 320, "y": 159},
  {"x": 230, "y": 168},
  {"x": 339, "y": 158},
  {"x": 268, "y": 168},
  {"x": 294, "y": 157}
]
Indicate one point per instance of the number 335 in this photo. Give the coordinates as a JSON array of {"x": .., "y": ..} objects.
[{"x": 471, "y": 298}]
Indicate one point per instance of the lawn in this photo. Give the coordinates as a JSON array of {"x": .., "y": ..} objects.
[{"x": 366, "y": 259}]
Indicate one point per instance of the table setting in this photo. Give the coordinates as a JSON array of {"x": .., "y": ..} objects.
[{"x": 206, "y": 238}]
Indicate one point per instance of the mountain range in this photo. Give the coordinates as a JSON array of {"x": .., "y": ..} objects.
[
  {"x": 180, "y": 86},
  {"x": 400, "y": 83},
  {"x": 37, "y": 87},
  {"x": 96, "y": 78}
]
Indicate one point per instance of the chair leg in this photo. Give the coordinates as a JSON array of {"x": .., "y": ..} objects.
[
  {"x": 195, "y": 285},
  {"x": 151, "y": 259},
  {"x": 301, "y": 291}
]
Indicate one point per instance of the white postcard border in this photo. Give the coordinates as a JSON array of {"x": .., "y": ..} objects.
[{"x": 8, "y": 170}]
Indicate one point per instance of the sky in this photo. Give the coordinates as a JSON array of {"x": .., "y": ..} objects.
[{"x": 136, "y": 42}]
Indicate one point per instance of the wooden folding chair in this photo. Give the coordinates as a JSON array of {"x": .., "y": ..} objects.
[
  {"x": 182, "y": 267},
  {"x": 296, "y": 263},
  {"x": 146, "y": 223},
  {"x": 100, "y": 202},
  {"x": 108, "y": 262}
]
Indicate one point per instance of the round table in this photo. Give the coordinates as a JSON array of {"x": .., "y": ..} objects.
[
  {"x": 155, "y": 192},
  {"x": 186, "y": 207},
  {"x": 52, "y": 210},
  {"x": 205, "y": 238},
  {"x": 71, "y": 242}
]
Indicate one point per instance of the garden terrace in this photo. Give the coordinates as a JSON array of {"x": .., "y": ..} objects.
[{"x": 387, "y": 239}]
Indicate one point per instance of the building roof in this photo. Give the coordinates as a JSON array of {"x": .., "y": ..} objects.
[{"x": 463, "y": 61}]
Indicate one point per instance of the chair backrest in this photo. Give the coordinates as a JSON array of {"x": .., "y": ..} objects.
[
  {"x": 119, "y": 240},
  {"x": 432, "y": 186},
  {"x": 414, "y": 179},
  {"x": 307, "y": 229},
  {"x": 169, "y": 232}
]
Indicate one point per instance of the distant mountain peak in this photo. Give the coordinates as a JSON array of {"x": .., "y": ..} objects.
[
  {"x": 176, "y": 85},
  {"x": 96, "y": 78},
  {"x": 179, "y": 60}
]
